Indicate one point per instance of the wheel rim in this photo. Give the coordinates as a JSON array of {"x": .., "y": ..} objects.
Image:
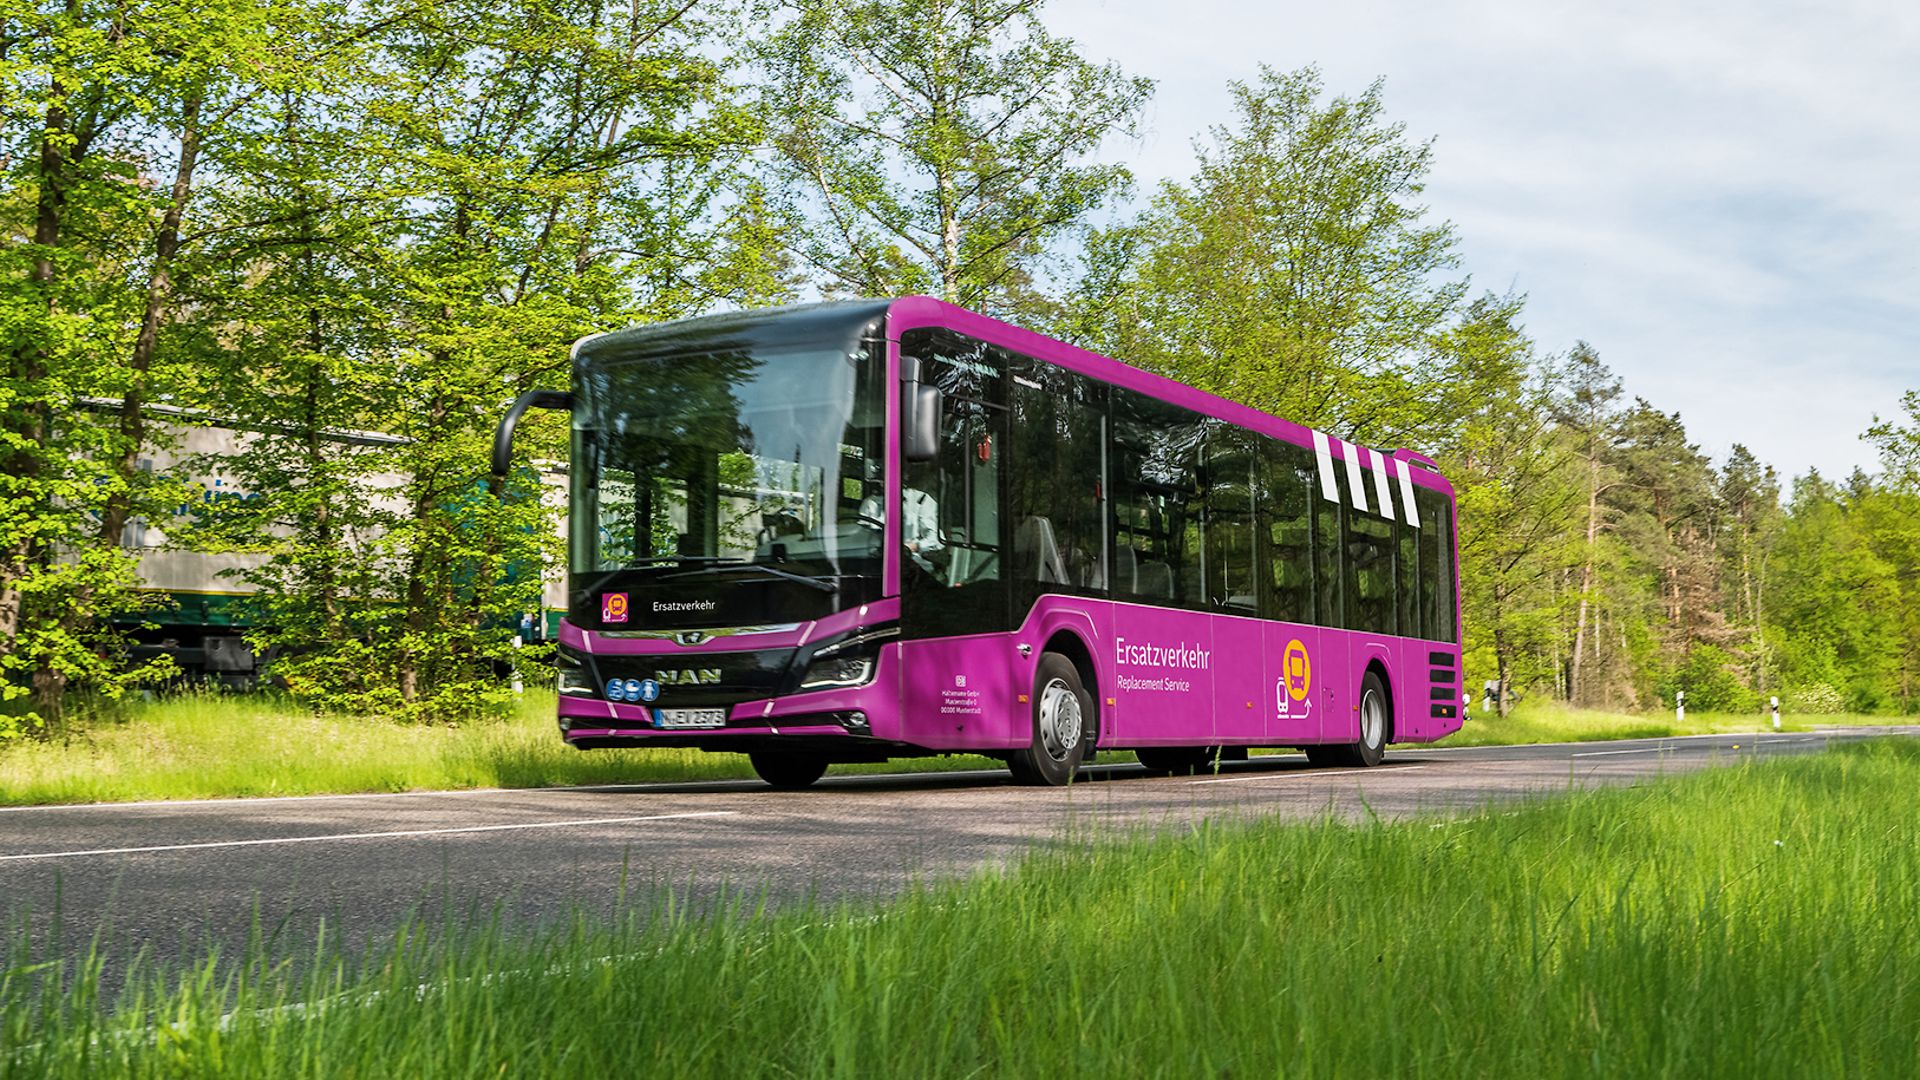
[
  {"x": 1373, "y": 719},
  {"x": 1059, "y": 719}
]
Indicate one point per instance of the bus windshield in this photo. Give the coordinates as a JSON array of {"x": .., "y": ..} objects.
[{"x": 738, "y": 487}]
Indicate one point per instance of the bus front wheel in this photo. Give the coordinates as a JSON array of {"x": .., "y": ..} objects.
[
  {"x": 789, "y": 771},
  {"x": 1061, "y": 709},
  {"x": 1375, "y": 720}
]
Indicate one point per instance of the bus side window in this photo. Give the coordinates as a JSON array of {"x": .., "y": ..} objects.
[
  {"x": 1436, "y": 565},
  {"x": 1057, "y": 490},
  {"x": 1407, "y": 568},
  {"x": 1157, "y": 505},
  {"x": 1286, "y": 517},
  {"x": 1369, "y": 559},
  {"x": 1329, "y": 571},
  {"x": 1229, "y": 562}
]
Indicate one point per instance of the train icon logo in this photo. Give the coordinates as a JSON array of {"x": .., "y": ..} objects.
[
  {"x": 1290, "y": 693},
  {"x": 613, "y": 607}
]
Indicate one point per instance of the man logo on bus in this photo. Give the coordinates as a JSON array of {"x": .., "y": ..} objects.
[
  {"x": 1295, "y": 681},
  {"x": 613, "y": 607}
]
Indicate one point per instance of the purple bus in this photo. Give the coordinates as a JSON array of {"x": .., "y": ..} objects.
[{"x": 870, "y": 529}]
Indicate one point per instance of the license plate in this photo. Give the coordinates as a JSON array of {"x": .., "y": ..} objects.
[{"x": 692, "y": 718}]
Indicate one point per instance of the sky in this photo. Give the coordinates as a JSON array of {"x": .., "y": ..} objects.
[{"x": 1722, "y": 199}]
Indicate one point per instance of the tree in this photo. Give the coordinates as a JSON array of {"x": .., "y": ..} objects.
[
  {"x": 1587, "y": 410},
  {"x": 1295, "y": 272},
  {"x": 1518, "y": 489},
  {"x": 938, "y": 145},
  {"x": 108, "y": 111}
]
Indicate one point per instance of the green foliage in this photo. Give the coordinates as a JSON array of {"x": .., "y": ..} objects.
[
  {"x": 1708, "y": 677},
  {"x": 938, "y": 147},
  {"x": 1295, "y": 272}
]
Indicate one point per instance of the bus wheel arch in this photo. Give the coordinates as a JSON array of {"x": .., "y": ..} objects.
[
  {"x": 1375, "y": 692},
  {"x": 1379, "y": 671}
]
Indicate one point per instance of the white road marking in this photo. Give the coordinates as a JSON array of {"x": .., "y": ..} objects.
[
  {"x": 424, "y": 793},
  {"x": 362, "y": 836},
  {"x": 1610, "y": 753},
  {"x": 1315, "y": 772}
]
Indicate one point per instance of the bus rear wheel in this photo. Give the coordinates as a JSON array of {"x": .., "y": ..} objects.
[
  {"x": 1062, "y": 711},
  {"x": 1179, "y": 760},
  {"x": 1375, "y": 722},
  {"x": 789, "y": 771}
]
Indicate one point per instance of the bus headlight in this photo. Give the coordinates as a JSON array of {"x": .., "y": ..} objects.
[
  {"x": 846, "y": 663},
  {"x": 838, "y": 671},
  {"x": 575, "y": 678}
]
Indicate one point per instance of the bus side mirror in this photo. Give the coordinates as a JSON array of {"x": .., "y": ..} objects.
[
  {"x": 503, "y": 435},
  {"x": 923, "y": 422}
]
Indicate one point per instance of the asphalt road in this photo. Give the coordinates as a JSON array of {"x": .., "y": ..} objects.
[{"x": 172, "y": 877}]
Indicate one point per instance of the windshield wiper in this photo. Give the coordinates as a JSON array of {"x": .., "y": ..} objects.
[
  {"x": 729, "y": 565},
  {"x": 654, "y": 560}
]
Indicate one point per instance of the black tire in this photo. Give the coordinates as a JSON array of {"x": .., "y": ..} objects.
[
  {"x": 1376, "y": 727},
  {"x": 1179, "y": 760},
  {"x": 790, "y": 771},
  {"x": 1063, "y": 725}
]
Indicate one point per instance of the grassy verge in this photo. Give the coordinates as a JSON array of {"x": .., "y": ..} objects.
[
  {"x": 1758, "y": 921},
  {"x": 213, "y": 746},
  {"x": 1556, "y": 723},
  {"x": 223, "y": 746}
]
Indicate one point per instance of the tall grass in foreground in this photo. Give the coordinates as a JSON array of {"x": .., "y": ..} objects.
[{"x": 1754, "y": 921}]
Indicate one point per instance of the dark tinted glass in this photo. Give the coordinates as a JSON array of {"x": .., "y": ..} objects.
[
  {"x": 1228, "y": 565},
  {"x": 953, "y": 566},
  {"x": 1436, "y": 565},
  {"x": 1286, "y": 511},
  {"x": 1057, "y": 507},
  {"x": 1329, "y": 530},
  {"x": 1370, "y": 583},
  {"x": 1407, "y": 564},
  {"x": 1157, "y": 504}
]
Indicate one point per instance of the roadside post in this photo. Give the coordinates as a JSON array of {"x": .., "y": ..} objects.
[
  {"x": 1679, "y": 706},
  {"x": 1774, "y": 701}
]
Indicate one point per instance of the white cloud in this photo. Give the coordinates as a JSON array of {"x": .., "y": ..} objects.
[{"x": 1719, "y": 196}]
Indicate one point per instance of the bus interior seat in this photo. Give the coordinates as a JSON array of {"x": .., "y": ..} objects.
[
  {"x": 1153, "y": 579},
  {"x": 1037, "y": 548}
]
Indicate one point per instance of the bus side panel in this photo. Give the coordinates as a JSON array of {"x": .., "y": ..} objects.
[
  {"x": 1340, "y": 691},
  {"x": 958, "y": 693},
  {"x": 1298, "y": 669},
  {"x": 1163, "y": 672},
  {"x": 1242, "y": 696}
]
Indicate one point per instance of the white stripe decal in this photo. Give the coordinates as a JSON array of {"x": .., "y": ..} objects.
[
  {"x": 1329, "y": 484},
  {"x": 1355, "y": 484},
  {"x": 1380, "y": 490},
  {"x": 1406, "y": 493}
]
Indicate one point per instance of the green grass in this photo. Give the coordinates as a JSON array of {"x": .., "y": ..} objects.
[
  {"x": 1760, "y": 920},
  {"x": 218, "y": 746},
  {"x": 1557, "y": 723},
  {"x": 207, "y": 746}
]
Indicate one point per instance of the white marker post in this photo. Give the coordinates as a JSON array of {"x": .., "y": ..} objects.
[
  {"x": 518, "y": 686},
  {"x": 1775, "y": 703},
  {"x": 1679, "y": 706}
]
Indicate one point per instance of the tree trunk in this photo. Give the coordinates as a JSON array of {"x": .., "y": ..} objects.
[{"x": 1576, "y": 684}]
